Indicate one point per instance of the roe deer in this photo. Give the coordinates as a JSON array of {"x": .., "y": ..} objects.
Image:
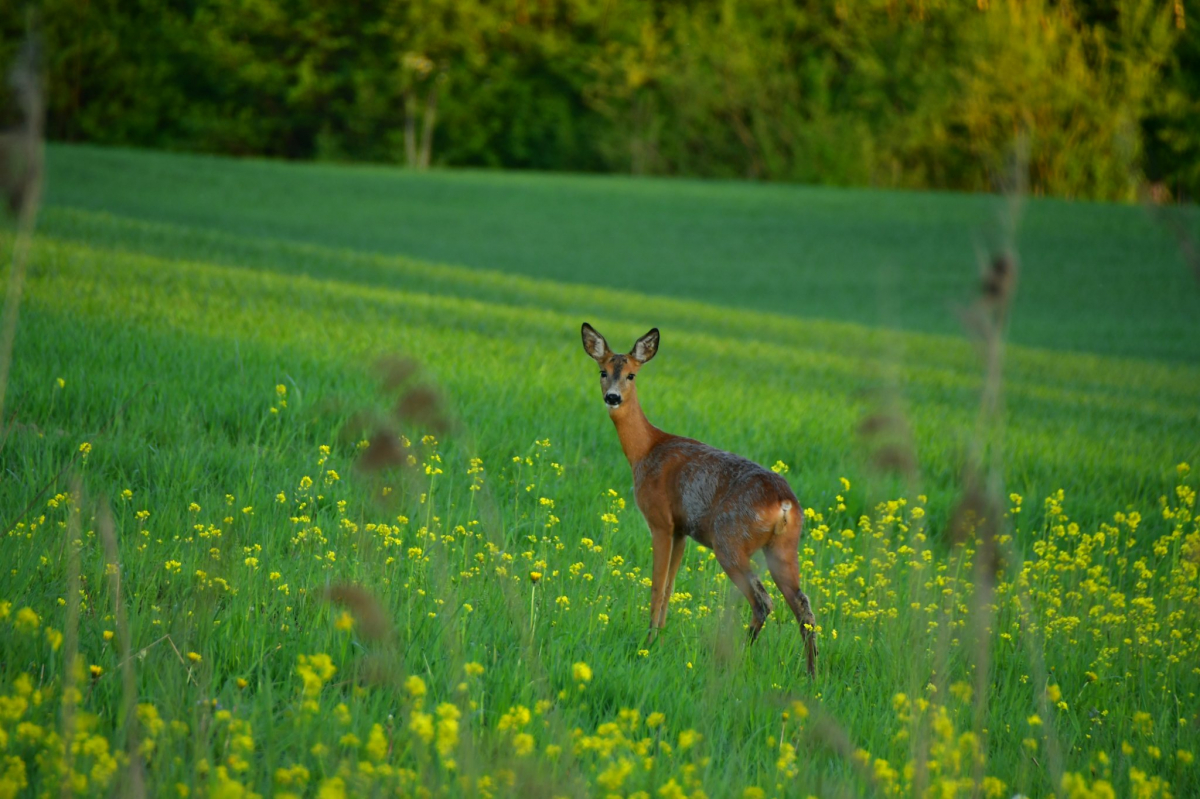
[{"x": 685, "y": 488}]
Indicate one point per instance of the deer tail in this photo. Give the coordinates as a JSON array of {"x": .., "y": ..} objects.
[
  {"x": 790, "y": 516},
  {"x": 790, "y": 513}
]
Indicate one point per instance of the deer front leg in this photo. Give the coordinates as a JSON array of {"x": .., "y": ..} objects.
[
  {"x": 658, "y": 581},
  {"x": 678, "y": 545}
]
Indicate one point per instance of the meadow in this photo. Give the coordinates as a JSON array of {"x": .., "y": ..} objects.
[{"x": 208, "y": 591}]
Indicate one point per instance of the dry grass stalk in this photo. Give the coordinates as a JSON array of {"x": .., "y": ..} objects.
[
  {"x": 135, "y": 785},
  {"x": 419, "y": 406},
  {"x": 21, "y": 145},
  {"x": 72, "y": 667},
  {"x": 978, "y": 518},
  {"x": 825, "y": 730},
  {"x": 383, "y": 452},
  {"x": 887, "y": 436},
  {"x": 21, "y": 185},
  {"x": 369, "y": 616},
  {"x": 1178, "y": 221},
  {"x": 975, "y": 525},
  {"x": 422, "y": 406},
  {"x": 416, "y": 405},
  {"x": 1040, "y": 678},
  {"x": 397, "y": 370}
]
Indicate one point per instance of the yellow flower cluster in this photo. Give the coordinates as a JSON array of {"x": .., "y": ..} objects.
[{"x": 1107, "y": 604}]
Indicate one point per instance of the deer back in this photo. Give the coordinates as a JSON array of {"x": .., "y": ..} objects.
[{"x": 721, "y": 500}]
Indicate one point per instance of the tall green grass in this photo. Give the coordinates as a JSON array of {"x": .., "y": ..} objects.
[{"x": 206, "y": 367}]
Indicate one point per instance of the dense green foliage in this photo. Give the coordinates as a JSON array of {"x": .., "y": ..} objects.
[
  {"x": 890, "y": 93},
  {"x": 202, "y": 377}
]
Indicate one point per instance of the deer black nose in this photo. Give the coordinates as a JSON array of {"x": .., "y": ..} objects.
[{"x": 612, "y": 399}]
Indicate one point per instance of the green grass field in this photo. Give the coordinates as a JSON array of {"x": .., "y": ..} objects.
[
  {"x": 199, "y": 344},
  {"x": 1095, "y": 278}
]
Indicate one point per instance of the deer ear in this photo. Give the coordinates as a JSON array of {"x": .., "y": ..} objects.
[
  {"x": 594, "y": 343},
  {"x": 646, "y": 346}
]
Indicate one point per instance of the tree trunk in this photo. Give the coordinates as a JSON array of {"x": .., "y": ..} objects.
[
  {"x": 427, "y": 129},
  {"x": 410, "y": 130}
]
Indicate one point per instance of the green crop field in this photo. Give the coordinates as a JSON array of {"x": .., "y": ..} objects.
[{"x": 207, "y": 591}]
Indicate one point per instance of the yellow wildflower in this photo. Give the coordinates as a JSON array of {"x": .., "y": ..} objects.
[
  {"x": 27, "y": 620},
  {"x": 422, "y": 724},
  {"x": 377, "y": 745},
  {"x": 522, "y": 744},
  {"x": 415, "y": 686}
]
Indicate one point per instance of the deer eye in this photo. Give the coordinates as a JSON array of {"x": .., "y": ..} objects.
[{"x": 603, "y": 374}]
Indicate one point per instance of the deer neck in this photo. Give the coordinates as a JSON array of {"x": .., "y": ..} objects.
[{"x": 637, "y": 435}]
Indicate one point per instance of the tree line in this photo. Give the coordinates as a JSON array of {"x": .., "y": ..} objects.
[{"x": 1105, "y": 94}]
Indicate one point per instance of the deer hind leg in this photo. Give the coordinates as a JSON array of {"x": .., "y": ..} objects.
[
  {"x": 678, "y": 545},
  {"x": 738, "y": 567},
  {"x": 785, "y": 570}
]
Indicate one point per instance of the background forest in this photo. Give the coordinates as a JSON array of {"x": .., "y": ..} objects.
[{"x": 888, "y": 93}]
